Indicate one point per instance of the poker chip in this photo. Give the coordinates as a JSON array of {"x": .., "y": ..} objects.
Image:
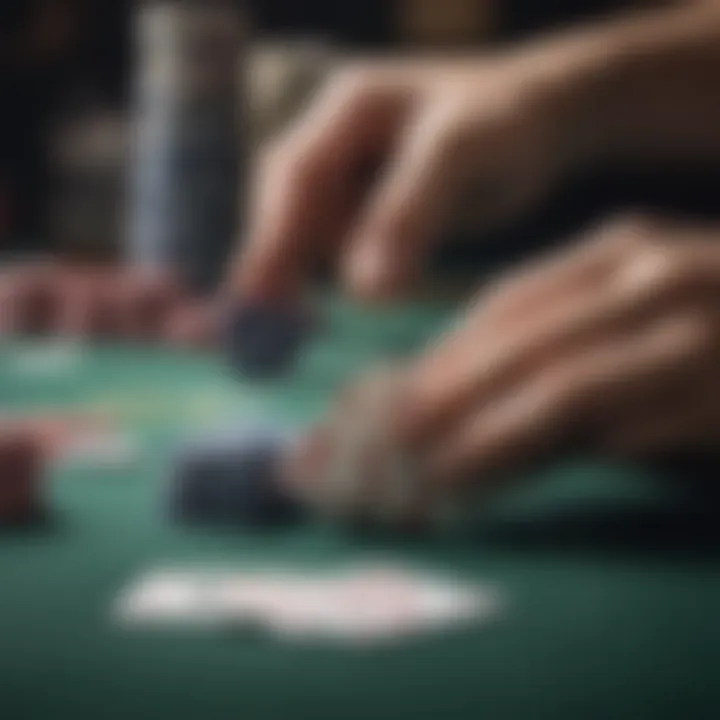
[
  {"x": 87, "y": 302},
  {"x": 87, "y": 309},
  {"x": 263, "y": 340},
  {"x": 29, "y": 299},
  {"x": 365, "y": 474},
  {"x": 193, "y": 326},
  {"x": 144, "y": 301},
  {"x": 21, "y": 456},
  {"x": 233, "y": 478},
  {"x": 355, "y": 470}
]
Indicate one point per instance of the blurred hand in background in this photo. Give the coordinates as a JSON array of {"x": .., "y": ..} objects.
[
  {"x": 611, "y": 347},
  {"x": 614, "y": 343},
  {"x": 373, "y": 171}
]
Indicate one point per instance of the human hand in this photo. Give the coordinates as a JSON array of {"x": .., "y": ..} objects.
[
  {"x": 613, "y": 344},
  {"x": 368, "y": 177}
]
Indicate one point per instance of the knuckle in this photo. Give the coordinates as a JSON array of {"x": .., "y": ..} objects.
[
  {"x": 634, "y": 228},
  {"x": 453, "y": 129},
  {"x": 274, "y": 156},
  {"x": 287, "y": 158},
  {"x": 658, "y": 269},
  {"x": 300, "y": 165},
  {"x": 657, "y": 272},
  {"x": 353, "y": 82}
]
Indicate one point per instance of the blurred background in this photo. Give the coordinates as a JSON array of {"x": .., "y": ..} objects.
[{"x": 68, "y": 70}]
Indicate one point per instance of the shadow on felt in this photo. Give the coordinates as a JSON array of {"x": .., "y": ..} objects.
[
  {"x": 40, "y": 524},
  {"x": 673, "y": 533}
]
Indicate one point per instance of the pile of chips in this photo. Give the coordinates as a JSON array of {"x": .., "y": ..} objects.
[
  {"x": 231, "y": 478},
  {"x": 143, "y": 305},
  {"x": 354, "y": 467},
  {"x": 21, "y": 470},
  {"x": 98, "y": 302}
]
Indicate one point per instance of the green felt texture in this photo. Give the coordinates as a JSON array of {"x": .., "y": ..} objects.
[{"x": 613, "y": 587}]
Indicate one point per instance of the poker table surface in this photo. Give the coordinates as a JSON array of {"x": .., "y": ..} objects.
[{"x": 610, "y": 580}]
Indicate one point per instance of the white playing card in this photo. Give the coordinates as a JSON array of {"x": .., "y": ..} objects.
[
  {"x": 169, "y": 597},
  {"x": 355, "y": 605}
]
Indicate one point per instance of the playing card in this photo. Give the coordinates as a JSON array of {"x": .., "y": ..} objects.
[
  {"x": 355, "y": 605},
  {"x": 171, "y": 597}
]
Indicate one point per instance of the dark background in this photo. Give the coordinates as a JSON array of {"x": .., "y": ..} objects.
[{"x": 59, "y": 57}]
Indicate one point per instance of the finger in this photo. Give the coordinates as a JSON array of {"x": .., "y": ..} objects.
[
  {"x": 549, "y": 410},
  {"x": 303, "y": 463},
  {"x": 519, "y": 296},
  {"x": 514, "y": 304},
  {"x": 492, "y": 361},
  {"x": 589, "y": 264},
  {"x": 308, "y": 187},
  {"x": 406, "y": 212}
]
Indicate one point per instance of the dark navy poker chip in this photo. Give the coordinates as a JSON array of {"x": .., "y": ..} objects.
[
  {"x": 231, "y": 479},
  {"x": 263, "y": 340}
]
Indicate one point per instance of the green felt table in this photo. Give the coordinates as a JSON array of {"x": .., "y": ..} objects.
[{"x": 612, "y": 586}]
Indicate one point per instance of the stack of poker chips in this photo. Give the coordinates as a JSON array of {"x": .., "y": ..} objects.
[
  {"x": 354, "y": 468},
  {"x": 232, "y": 478},
  {"x": 21, "y": 470},
  {"x": 350, "y": 469},
  {"x": 186, "y": 147},
  {"x": 53, "y": 299},
  {"x": 264, "y": 338},
  {"x": 28, "y": 299}
]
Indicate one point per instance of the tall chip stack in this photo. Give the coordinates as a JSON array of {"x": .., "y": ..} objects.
[
  {"x": 187, "y": 148},
  {"x": 21, "y": 474}
]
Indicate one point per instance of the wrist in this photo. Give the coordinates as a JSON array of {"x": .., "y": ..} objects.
[
  {"x": 571, "y": 77},
  {"x": 618, "y": 90},
  {"x": 602, "y": 82}
]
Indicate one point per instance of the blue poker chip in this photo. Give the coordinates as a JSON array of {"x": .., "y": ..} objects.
[
  {"x": 231, "y": 479},
  {"x": 264, "y": 340}
]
